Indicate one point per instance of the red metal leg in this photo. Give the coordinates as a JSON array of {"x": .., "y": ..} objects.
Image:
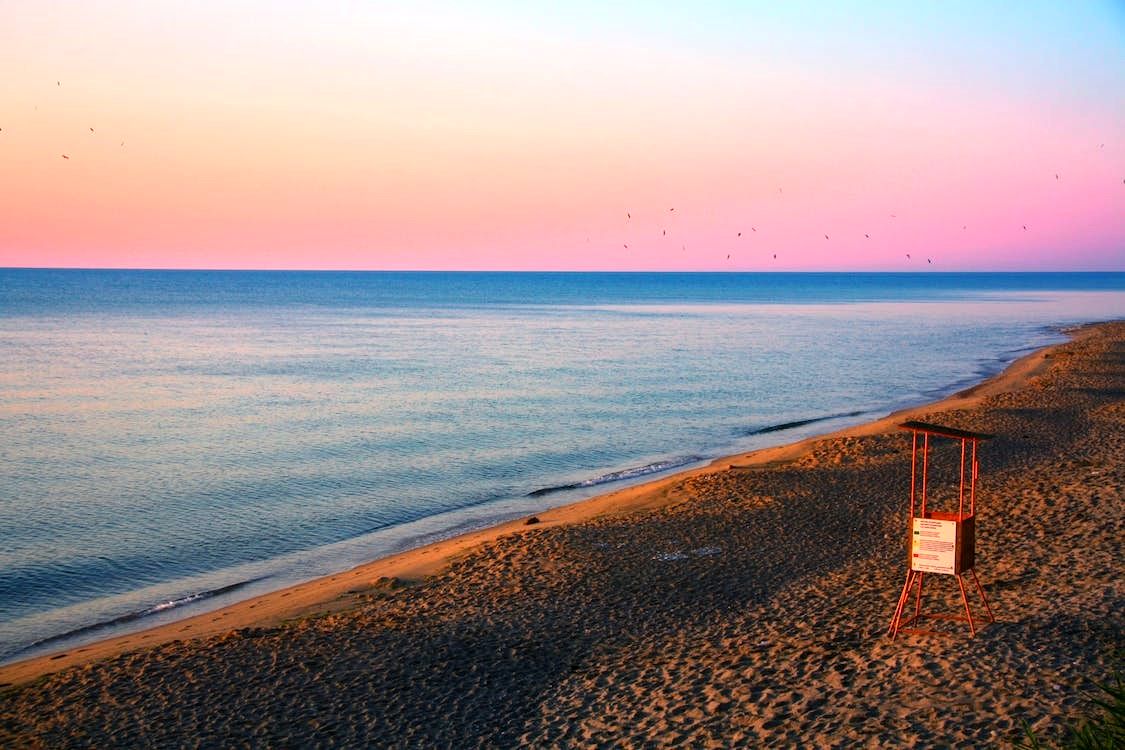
[
  {"x": 983, "y": 598},
  {"x": 896, "y": 621},
  {"x": 918, "y": 600},
  {"x": 968, "y": 612},
  {"x": 913, "y": 481},
  {"x": 961, "y": 489}
]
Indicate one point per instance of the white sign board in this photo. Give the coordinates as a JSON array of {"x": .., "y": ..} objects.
[{"x": 933, "y": 546}]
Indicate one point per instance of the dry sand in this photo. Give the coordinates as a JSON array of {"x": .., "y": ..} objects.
[{"x": 741, "y": 604}]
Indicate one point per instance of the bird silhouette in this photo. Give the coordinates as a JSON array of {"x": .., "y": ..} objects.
[
  {"x": 1056, "y": 175},
  {"x": 929, "y": 261},
  {"x": 728, "y": 256},
  {"x": 826, "y": 236},
  {"x": 1025, "y": 227},
  {"x": 908, "y": 256},
  {"x": 58, "y": 83},
  {"x": 626, "y": 246},
  {"x": 664, "y": 232},
  {"x": 753, "y": 229},
  {"x": 65, "y": 156},
  {"x": 867, "y": 236},
  {"x": 671, "y": 209},
  {"x": 775, "y": 256},
  {"x": 91, "y": 130},
  {"x": 740, "y": 234}
]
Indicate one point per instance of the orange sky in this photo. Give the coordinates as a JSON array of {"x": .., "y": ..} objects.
[{"x": 270, "y": 136}]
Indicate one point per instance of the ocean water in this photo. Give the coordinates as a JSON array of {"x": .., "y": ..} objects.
[{"x": 174, "y": 441}]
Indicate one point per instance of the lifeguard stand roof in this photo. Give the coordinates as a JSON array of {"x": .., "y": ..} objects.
[{"x": 950, "y": 432}]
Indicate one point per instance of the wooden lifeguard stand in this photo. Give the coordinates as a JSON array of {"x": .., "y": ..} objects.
[{"x": 941, "y": 542}]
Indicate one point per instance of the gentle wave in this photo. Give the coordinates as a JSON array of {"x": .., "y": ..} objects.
[
  {"x": 619, "y": 476},
  {"x": 801, "y": 423},
  {"x": 140, "y": 614}
]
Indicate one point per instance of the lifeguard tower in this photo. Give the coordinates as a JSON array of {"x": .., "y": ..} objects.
[{"x": 942, "y": 542}]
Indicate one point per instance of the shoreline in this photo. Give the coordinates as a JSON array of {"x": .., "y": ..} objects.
[
  {"x": 336, "y": 592},
  {"x": 747, "y": 606}
]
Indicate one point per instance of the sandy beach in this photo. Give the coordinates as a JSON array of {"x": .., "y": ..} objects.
[{"x": 741, "y": 604}]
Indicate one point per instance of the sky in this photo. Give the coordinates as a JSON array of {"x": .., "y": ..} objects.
[{"x": 563, "y": 136}]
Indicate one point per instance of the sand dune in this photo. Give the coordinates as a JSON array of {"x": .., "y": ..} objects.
[{"x": 741, "y": 604}]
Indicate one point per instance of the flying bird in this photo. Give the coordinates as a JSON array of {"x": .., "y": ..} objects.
[
  {"x": 929, "y": 261},
  {"x": 663, "y": 232},
  {"x": 775, "y": 256},
  {"x": 671, "y": 209},
  {"x": 1025, "y": 227},
  {"x": 58, "y": 83},
  {"x": 728, "y": 256},
  {"x": 753, "y": 229},
  {"x": 91, "y": 130},
  {"x": 826, "y": 236},
  {"x": 1056, "y": 175},
  {"x": 628, "y": 215},
  {"x": 908, "y": 256},
  {"x": 65, "y": 156},
  {"x": 740, "y": 234},
  {"x": 626, "y": 246},
  {"x": 867, "y": 236}
]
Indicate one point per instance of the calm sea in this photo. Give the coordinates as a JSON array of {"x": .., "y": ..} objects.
[{"x": 172, "y": 441}]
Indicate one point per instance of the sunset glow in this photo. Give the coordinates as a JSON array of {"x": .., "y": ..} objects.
[{"x": 435, "y": 136}]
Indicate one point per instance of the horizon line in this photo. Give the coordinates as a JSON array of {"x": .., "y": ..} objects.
[{"x": 177, "y": 269}]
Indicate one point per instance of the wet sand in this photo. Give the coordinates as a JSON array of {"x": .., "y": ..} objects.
[{"x": 742, "y": 603}]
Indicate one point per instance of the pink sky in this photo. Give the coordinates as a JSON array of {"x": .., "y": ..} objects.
[{"x": 432, "y": 139}]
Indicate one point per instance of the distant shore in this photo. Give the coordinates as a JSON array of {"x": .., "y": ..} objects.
[{"x": 745, "y": 601}]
